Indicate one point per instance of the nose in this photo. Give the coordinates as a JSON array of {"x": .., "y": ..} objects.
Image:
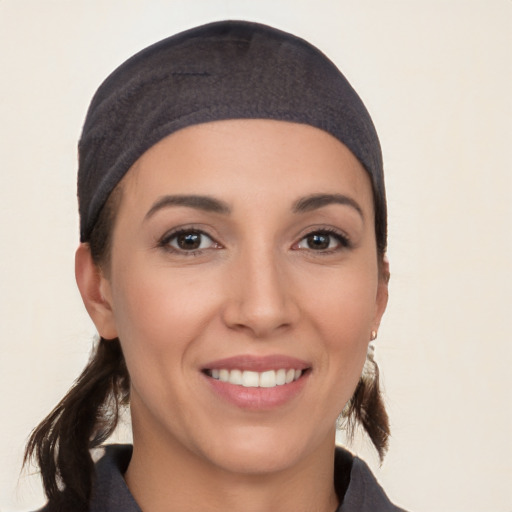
[{"x": 260, "y": 301}]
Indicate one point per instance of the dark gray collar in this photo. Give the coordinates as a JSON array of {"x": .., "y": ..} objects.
[{"x": 362, "y": 491}]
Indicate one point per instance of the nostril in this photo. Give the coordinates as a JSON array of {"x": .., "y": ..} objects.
[{"x": 259, "y": 300}]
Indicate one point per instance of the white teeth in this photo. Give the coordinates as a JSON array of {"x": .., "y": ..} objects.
[
  {"x": 235, "y": 377},
  {"x": 249, "y": 379},
  {"x": 268, "y": 379}
]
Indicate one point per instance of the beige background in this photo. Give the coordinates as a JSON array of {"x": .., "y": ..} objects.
[{"x": 437, "y": 78}]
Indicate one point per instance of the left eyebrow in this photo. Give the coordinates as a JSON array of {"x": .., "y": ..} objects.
[{"x": 315, "y": 201}]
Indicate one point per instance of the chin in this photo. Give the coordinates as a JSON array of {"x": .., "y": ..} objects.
[
  {"x": 254, "y": 460},
  {"x": 263, "y": 450}
]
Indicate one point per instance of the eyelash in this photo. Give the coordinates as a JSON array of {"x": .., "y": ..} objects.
[
  {"x": 165, "y": 242},
  {"x": 342, "y": 239}
]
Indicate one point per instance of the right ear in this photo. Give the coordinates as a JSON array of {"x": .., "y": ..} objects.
[{"x": 95, "y": 291}]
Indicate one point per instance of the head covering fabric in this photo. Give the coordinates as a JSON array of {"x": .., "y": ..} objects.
[{"x": 222, "y": 70}]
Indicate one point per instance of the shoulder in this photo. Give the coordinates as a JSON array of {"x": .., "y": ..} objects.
[
  {"x": 110, "y": 492},
  {"x": 364, "y": 493}
]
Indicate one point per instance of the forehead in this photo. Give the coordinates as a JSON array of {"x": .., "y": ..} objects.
[{"x": 238, "y": 159}]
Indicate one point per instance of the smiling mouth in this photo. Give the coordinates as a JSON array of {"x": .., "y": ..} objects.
[{"x": 252, "y": 379}]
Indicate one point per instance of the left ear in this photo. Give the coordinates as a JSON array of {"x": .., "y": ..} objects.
[{"x": 381, "y": 300}]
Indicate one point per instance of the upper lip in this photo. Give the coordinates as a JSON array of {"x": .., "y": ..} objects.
[{"x": 257, "y": 363}]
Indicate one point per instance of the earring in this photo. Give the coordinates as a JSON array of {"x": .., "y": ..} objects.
[{"x": 373, "y": 336}]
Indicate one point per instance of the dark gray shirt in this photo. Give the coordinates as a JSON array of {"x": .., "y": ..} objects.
[{"x": 357, "y": 488}]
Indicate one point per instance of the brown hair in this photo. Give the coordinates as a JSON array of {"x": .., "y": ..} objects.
[
  {"x": 366, "y": 408},
  {"x": 89, "y": 412}
]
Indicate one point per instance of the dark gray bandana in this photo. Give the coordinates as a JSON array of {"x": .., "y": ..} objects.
[{"x": 223, "y": 70}]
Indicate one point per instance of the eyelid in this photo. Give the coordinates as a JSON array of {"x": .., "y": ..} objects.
[
  {"x": 164, "y": 241},
  {"x": 342, "y": 238},
  {"x": 344, "y": 241}
]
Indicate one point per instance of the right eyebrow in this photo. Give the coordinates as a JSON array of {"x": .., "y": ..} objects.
[{"x": 205, "y": 203}]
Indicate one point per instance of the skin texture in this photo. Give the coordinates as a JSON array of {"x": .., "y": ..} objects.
[{"x": 258, "y": 286}]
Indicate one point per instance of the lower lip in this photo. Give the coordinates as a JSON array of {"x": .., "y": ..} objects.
[{"x": 258, "y": 398}]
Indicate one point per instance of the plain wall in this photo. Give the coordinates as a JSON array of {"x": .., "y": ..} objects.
[{"x": 437, "y": 78}]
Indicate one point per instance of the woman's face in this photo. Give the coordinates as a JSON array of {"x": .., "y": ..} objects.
[{"x": 244, "y": 285}]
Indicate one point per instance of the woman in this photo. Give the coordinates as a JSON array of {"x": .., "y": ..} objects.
[{"x": 233, "y": 229}]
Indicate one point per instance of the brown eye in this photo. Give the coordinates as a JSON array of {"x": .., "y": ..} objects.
[
  {"x": 323, "y": 241},
  {"x": 318, "y": 241},
  {"x": 189, "y": 241}
]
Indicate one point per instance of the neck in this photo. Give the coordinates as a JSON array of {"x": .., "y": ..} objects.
[{"x": 166, "y": 477}]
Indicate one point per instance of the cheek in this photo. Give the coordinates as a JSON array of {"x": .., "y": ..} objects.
[
  {"x": 345, "y": 303},
  {"x": 159, "y": 312},
  {"x": 343, "y": 313}
]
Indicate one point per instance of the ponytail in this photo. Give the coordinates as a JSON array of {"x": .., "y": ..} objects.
[
  {"x": 84, "y": 418},
  {"x": 89, "y": 413},
  {"x": 366, "y": 407}
]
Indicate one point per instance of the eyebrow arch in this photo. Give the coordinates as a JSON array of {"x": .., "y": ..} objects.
[
  {"x": 315, "y": 201},
  {"x": 205, "y": 203}
]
